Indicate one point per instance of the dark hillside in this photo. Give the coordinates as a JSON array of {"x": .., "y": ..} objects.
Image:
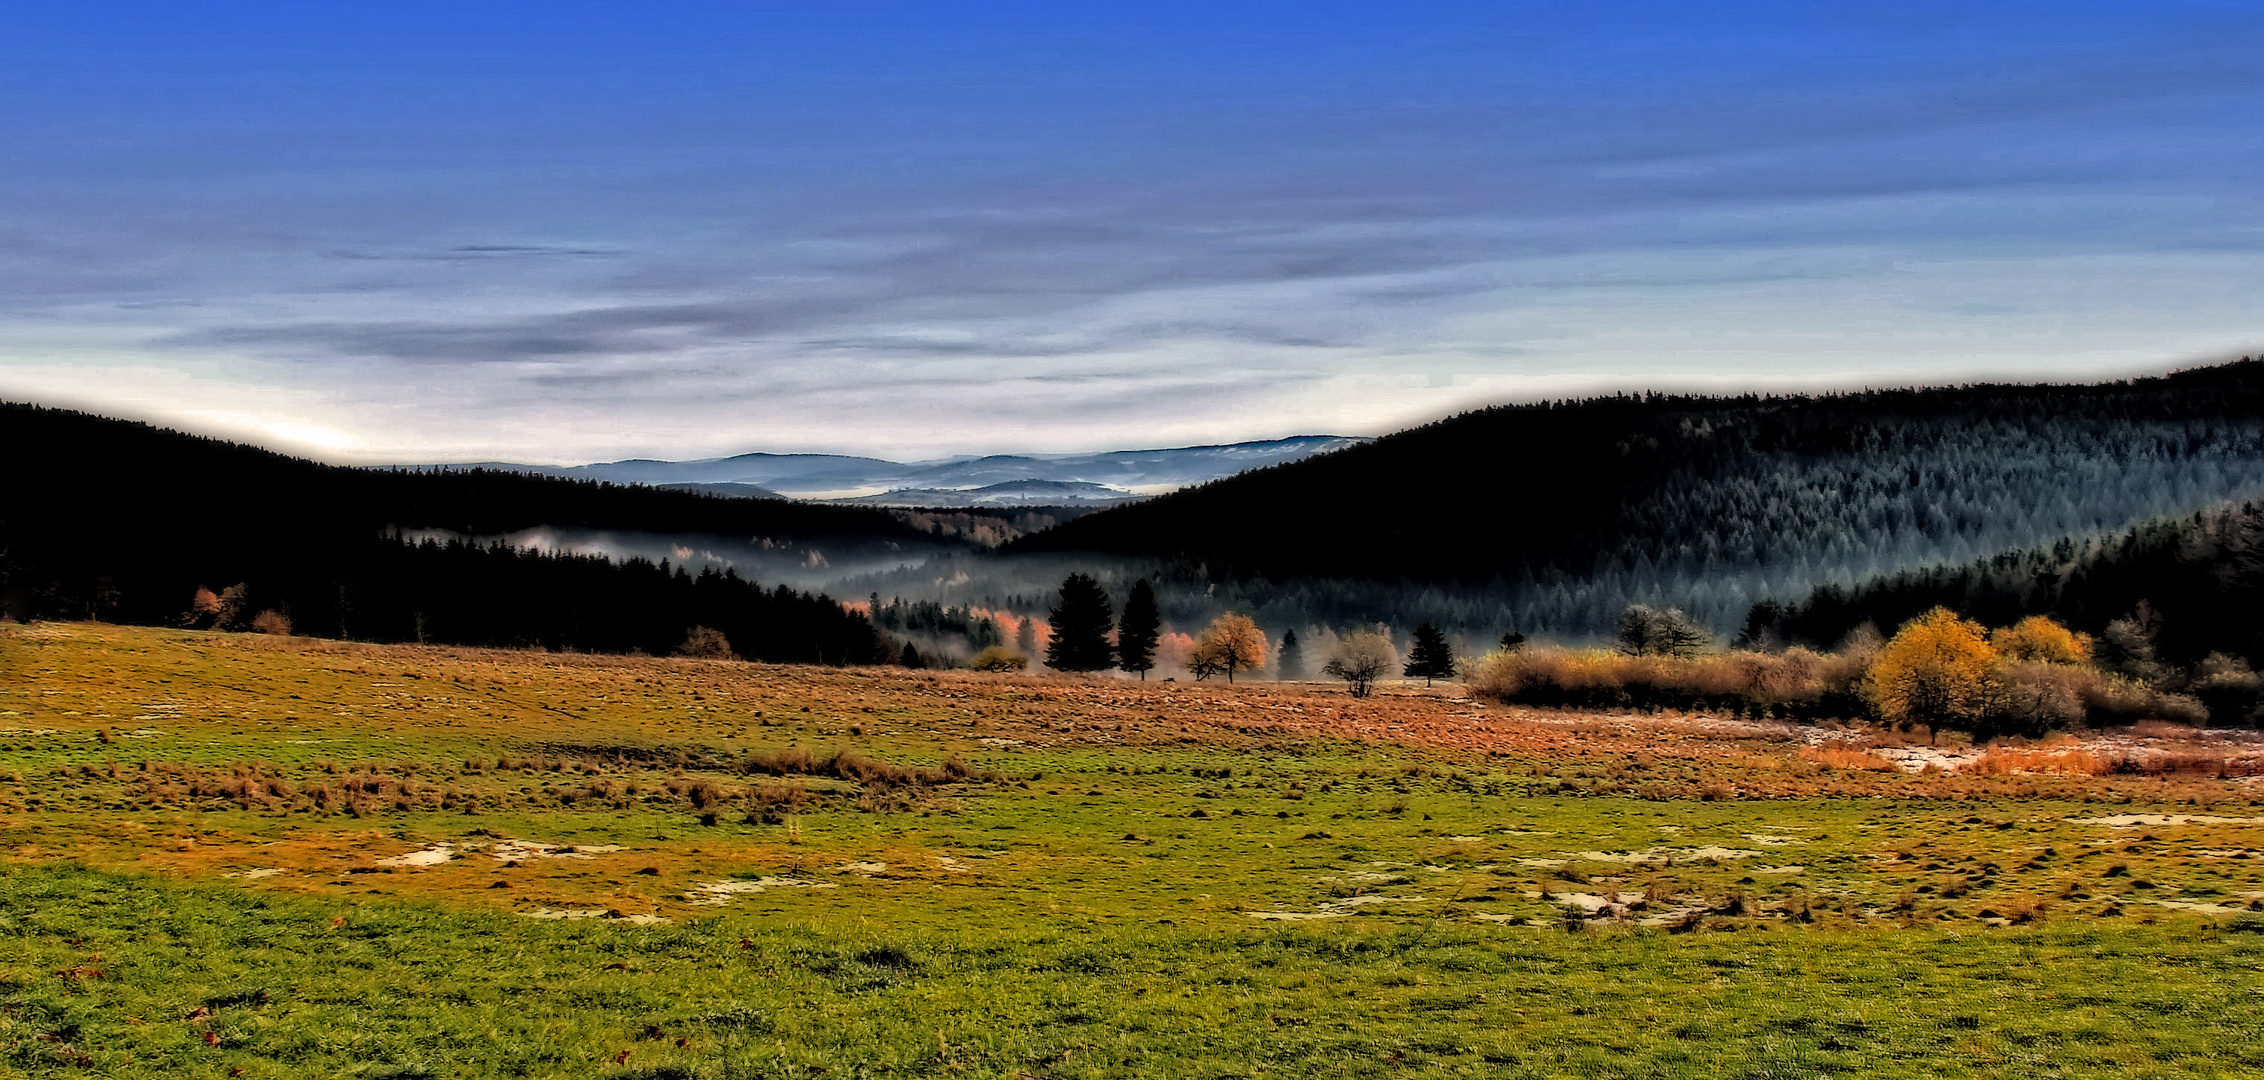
[
  {"x": 1570, "y": 510},
  {"x": 124, "y": 521}
]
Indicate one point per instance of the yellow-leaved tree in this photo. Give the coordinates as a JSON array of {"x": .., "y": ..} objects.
[
  {"x": 1937, "y": 670},
  {"x": 2038, "y": 640}
]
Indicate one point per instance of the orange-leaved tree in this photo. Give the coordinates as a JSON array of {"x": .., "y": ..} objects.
[
  {"x": 1938, "y": 670},
  {"x": 1229, "y": 644}
]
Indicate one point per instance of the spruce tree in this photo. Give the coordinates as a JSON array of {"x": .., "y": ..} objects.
[
  {"x": 1291, "y": 662},
  {"x": 1139, "y": 630},
  {"x": 1431, "y": 658},
  {"x": 1080, "y": 627}
]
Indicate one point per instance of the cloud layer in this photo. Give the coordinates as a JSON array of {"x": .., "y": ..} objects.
[{"x": 444, "y": 233}]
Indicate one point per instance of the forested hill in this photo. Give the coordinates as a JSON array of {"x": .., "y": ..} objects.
[
  {"x": 125, "y": 521},
  {"x": 2200, "y": 577},
  {"x": 75, "y": 464},
  {"x": 1570, "y": 510}
]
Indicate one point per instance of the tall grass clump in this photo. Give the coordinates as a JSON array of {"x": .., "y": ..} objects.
[{"x": 1795, "y": 684}]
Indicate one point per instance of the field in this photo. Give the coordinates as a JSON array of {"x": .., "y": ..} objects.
[{"x": 235, "y": 855}]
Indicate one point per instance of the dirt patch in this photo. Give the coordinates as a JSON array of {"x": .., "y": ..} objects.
[
  {"x": 597, "y": 913},
  {"x": 522, "y": 850},
  {"x": 1661, "y": 855},
  {"x": 2125, "y": 821},
  {"x": 719, "y": 893},
  {"x": 2196, "y": 905},
  {"x": 430, "y": 856}
]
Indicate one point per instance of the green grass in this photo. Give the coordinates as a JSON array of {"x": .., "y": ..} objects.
[
  {"x": 296, "y": 987},
  {"x": 1091, "y": 910}
]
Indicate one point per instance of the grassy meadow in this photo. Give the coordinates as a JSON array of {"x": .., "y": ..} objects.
[{"x": 237, "y": 855}]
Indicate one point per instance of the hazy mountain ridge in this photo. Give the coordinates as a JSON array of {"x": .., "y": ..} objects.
[
  {"x": 1015, "y": 493},
  {"x": 825, "y": 476}
]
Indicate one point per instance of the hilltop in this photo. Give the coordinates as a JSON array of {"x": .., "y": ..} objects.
[{"x": 1558, "y": 514}]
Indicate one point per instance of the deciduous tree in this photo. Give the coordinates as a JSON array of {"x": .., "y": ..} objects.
[
  {"x": 1229, "y": 644},
  {"x": 1649, "y": 631},
  {"x": 1360, "y": 658},
  {"x": 1937, "y": 670}
]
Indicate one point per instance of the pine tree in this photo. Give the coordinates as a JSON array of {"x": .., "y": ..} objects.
[
  {"x": 1080, "y": 627},
  {"x": 1430, "y": 658},
  {"x": 1139, "y": 630},
  {"x": 1291, "y": 665}
]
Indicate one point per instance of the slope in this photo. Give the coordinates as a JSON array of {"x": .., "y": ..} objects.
[
  {"x": 1563, "y": 512},
  {"x": 312, "y": 538}
]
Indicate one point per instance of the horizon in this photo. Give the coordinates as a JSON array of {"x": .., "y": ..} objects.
[{"x": 283, "y": 445}]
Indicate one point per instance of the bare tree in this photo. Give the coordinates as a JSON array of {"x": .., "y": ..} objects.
[{"x": 1362, "y": 657}]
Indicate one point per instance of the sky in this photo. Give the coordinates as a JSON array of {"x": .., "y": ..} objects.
[{"x": 569, "y": 232}]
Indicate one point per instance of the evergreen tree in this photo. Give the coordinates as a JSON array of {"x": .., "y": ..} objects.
[
  {"x": 1430, "y": 658},
  {"x": 1291, "y": 664},
  {"x": 1080, "y": 627},
  {"x": 1139, "y": 630},
  {"x": 1511, "y": 641}
]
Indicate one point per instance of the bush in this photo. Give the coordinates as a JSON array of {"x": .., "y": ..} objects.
[
  {"x": 1360, "y": 658},
  {"x": 272, "y": 621},
  {"x": 706, "y": 643},
  {"x": 2038, "y": 640},
  {"x": 999, "y": 658},
  {"x": 1795, "y": 682}
]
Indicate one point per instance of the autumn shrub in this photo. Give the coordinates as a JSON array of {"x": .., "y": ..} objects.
[
  {"x": 2038, "y": 640},
  {"x": 999, "y": 658},
  {"x": 272, "y": 621},
  {"x": 1793, "y": 683},
  {"x": 204, "y": 608},
  {"x": 706, "y": 643}
]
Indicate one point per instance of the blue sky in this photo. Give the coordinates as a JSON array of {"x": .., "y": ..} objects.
[{"x": 568, "y": 232}]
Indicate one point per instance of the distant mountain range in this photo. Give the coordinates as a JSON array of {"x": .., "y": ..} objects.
[{"x": 996, "y": 480}]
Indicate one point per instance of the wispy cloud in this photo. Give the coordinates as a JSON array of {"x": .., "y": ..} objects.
[{"x": 1000, "y": 235}]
